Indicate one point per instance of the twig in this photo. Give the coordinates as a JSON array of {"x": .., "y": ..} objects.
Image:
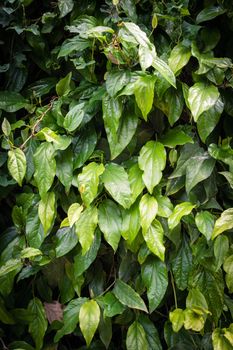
[
  {"x": 174, "y": 290},
  {"x": 3, "y": 344}
]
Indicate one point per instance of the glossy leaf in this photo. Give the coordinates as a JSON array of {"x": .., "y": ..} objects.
[
  {"x": 89, "y": 317},
  {"x": 179, "y": 57},
  {"x": 179, "y": 211},
  {"x": 154, "y": 239},
  {"x": 223, "y": 223},
  {"x": 47, "y": 211},
  {"x": 38, "y": 325},
  {"x": 205, "y": 223},
  {"x": 17, "y": 164},
  {"x": 85, "y": 228},
  {"x": 177, "y": 319},
  {"x": 148, "y": 208},
  {"x": 144, "y": 93},
  {"x": 136, "y": 337},
  {"x": 164, "y": 70}
]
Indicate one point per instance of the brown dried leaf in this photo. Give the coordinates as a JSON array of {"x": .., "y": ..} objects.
[{"x": 54, "y": 311}]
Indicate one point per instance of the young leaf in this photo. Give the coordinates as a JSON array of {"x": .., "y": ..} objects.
[
  {"x": 152, "y": 161},
  {"x": 45, "y": 167},
  {"x": 116, "y": 182},
  {"x": 177, "y": 319},
  {"x": 128, "y": 297},
  {"x": 221, "y": 247},
  {"x": 74, "y": 213},
  {"x": 223, "y": 223},
  {"x": 179, "y": 211},
  {"x": 6, "y": 127},
  {"x": 205, "y": 223},
  {"x": 155, "y": 279},
  {"x": 201, "y": 98},
  {"x": 164, "y": 70},
  {"x": 179, "y": 57},
  {"x": 220, "y": 342},
  {"x": 136, "y": 337},
  {"x": 130, "y": 223},
  {"x": 17, "y": 164},
  {"x": 89, "y": 317},
  {"x": 148, "y": 208},
  {"x": 88, "y": 182},
  {"x": 38, "y": 325},
  {"x": 109, "y": 216},
  {"x": 154, "y": 239},
  {"x": 47, "y": 211},
  {"x": 135, "y": 180}
]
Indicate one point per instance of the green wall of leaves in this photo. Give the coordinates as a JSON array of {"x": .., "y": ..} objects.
[{"x": 116, "y": 177}]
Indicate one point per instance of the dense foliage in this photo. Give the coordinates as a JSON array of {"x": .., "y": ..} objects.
[{"x": 116, "y": 178}]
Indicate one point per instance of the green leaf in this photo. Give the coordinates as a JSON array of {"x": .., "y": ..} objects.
[
  {"x": 11, "y": 101},
  {"x": 66, "y": 241},
  {"x": 136, "y": 337},
  {"x": 60, "y": 142},
  {"x": 105, "y": 330},
  {"x": 198, "y": 169},
  {"x": 110, "y": 221},
  {"x": 223, "y": 223},
  {"x": 116, "y": 182},
  {"x": 138, "y": 34},
  {"x": 154, "y": 239},
  {"x": 63, "y": 86},
  {"x": 179, "y": 57},
  {"x": 10, "y": 265},
  {"x": 205, "y": 223},
  {"x": 135, "y": 180},
  {"x": 116, "y": 80},
  {"x": 74, "y": 213},
  {"x": 229, "y": 176},
  {"x": 221, "y": 247},
  {"x": 220, "y": 342},
  {"x": 209, "y": 13},
  {"x": 164, "y": 70},
  {"x": 182, "y": 265},
  {"x": 193, "y": 320},
  {"x": 209, "y": 119},
  {"x": 85, "y": 228},
  {"x": 70, "y": 318},
  {"x": 6, "y": 127},
  {"x": 74, "y": 117},
  {"x": 130, "y": 223},
  {"x": 175, "y": 137},
  {"x": 152, "y": 335},
  {"x": 65, "y": 7},
  {"x": 146, "y": 56},
  {"x": 88, "y": 182},
  {"x": 38, "y": 325},
  {"x": 228, "y": 268},
  {"x": 89, "y": 317},
  {"x": 30, "y": 252},
  {"x": 5, "y": 316},
  {"x": 84, "y": 145},
  {"x": 179, "y": 211},
  {"x": 128, "y": 297},
  {"x": 17, "y": 164},
  {"x": 47, "y": 211},
  {"x": 112, "y": 111},
  {"x": 155, "y": 279},
  {"x": 201, "y": 98},
  {"x": 82, "y": 262},
  {"x": 148, "y": 208},
  {"x": 64, "y": 168},
  {"x": 165, "y": 206},
  {"x": 144, "y": 93},
  {"x": 45, "y": 167},
  {"x": 177, "y": 319},
  {"x": 112, "y": 306},
  {"x": 152, "y": 161}
]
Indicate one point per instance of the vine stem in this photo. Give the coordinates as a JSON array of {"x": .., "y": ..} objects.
[
  {"x": 38, "y": 122},
  {"x": 174, "y": 290}
]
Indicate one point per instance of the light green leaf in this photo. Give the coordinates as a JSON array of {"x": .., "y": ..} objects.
[
  {"x": 88, "y": 182},
  {"x": 85, "y": 228},
  {"x": 175, "y": 137},
  {"x": 30, "y": 252},
  {"x": 63, "y": 86},
  {"x": 177, "y": 319},
  {"x": 47, "y": 211},
  {"x": 193, "y": 320},
  {"x": 74, "y": 117},
  {"x": 179, "y": 57},
  {"x": 205, "y": 223},
  {"x": 11, "y": 101},
  {"x": 60, "y": 142},
  {"x": 6, "y": 127},
  {"x": 154, "y": 239},
  {"x": 179, "y": 211},
  {"x": 38, "y": 325},
  {"x": 165, "y": 206},
  {"x": 89, "y": 317},
  {"x": 144, "y": 93},
  {"x": 138, "y": 34},
  {"x": 152, "y": 161},
  {"x": 228, "y": 268},
  {"x": 223, "y": 223},
  {"x": 146, "y": 56},
  {"x": 45, "y": 167},
  {"x": 116, "y": 182},
  {"x": 221, "y": 247},
  {"x": 135, "y": 180},
  {"x": 229, "y": 176},
  {"x": 220, "y": 342},
  {"x": 136, "y": 337},
  {"x": 164, "y": 70},
  {"x": 127, "y": 296},
  {"x": 130, "y": 223},
  {"x": 17, "y": 164},
  {"x": 70, "y": 318},
  {"x": 201, "y": 98},
  {"x": 110, "y": 221},
  {"x": 209, "y": 13},
  {"x": 155, "y": 279},
  {"x": 74, "y": 213},
  {"x": 10, "y": 265},
  {"x": 148, "y": 208}
]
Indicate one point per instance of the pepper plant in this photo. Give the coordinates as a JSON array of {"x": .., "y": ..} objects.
[{"x": 116, "y": 178}]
